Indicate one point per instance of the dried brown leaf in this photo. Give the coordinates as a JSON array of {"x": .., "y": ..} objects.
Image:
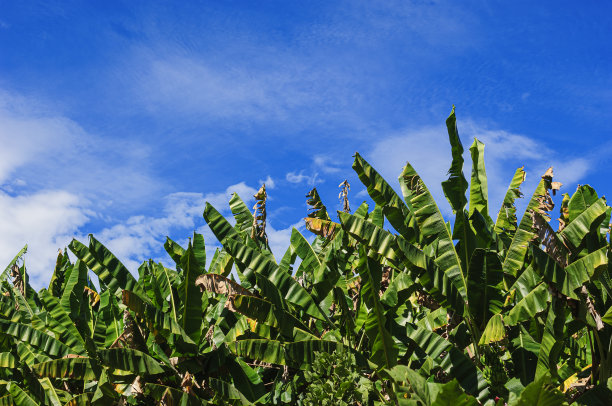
[
  {"x": 216, "y": 283},
  {"x": 546, "y": 236},
  {"x": 591, "y": 308}
]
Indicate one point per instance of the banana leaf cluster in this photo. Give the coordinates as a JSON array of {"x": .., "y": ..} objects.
[{"x": 389, "y": 305}]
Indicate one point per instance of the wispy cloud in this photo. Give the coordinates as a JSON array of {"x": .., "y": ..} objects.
[
  {"x": 46, "y": 150},
  {"x": 55, "y": 177},
  {"x": 300, "y": 177},
  {"x": 326, "y": 163}
]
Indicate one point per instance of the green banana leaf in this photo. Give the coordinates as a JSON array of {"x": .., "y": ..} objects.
[
  {"x": 20, "y": 396},
  {"x": 535, "y": 302},
  {"x": 484, "y": 278},
  {"x": 103, "y": 263},
  {"x": 66, "y": 328},
  {"x": 220, "y": 227},
  {"x": 35, "y": 338},
  {"x": 394, "y": 209},
  {"x": 540, "y": 392},
  {"x": 494, "y": 331},
  {"x": 552, "y": 340},
  {"x": 584, "y": 223},
  {"x": 52, "y": 395},
  {"x": 173, "y": 249},
  {"x": 289, "y": 288},
  {"x": 84, "y": 399},
  {"x": 479, "y": 190},
  {"x": 433, "y": 228},
  {"x": 383, "y": 350},
  {"x": 134, "y": 361},
  {"x": 262, "y": 350},
  {"x": 109, "y": 321},
  {"x": 573, "y": 276},
  {"x": 525, "y": 233},
  {"x": 66, "y": 368},
  {"x": 506, "y": 223},
  {"x": 455, "y": 362},
  {"x": 189, "y": 293},
  {"x": 242, "y": 214}
]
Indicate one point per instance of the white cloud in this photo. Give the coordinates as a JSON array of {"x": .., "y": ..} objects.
[
  {"x": 269, "y": 182},
  {"x": 46, "y": 221},
  {"x": 136, "y": 239},
  {"x": 428, "y": 150}
]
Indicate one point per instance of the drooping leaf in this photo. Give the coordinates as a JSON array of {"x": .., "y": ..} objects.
[
  {"x": 72, "y": 368},
  {"x": 382, "y": 193},
  {"x": 159, "y": 323},
  {"x": 573, "y": 276},
  {"x": 84, "y": 399},
  {"x": 581, "y": 200},
  {"x": 219, "y": 284},
  {"x": 130, "y": 360},
  {"x": 9, "y": 267},
  {"x": 454, "y": 362},
  {"x": 535, "y": 302},
  {"x": 173, "y": 249},
  {"x": 35, "y": 338},
  {"x": 494, "y": 331},
  {"x": 288, "y": 287},
  {"x": 584, "y": 223},
  {"x": 20, "y": 396},
  {"x": 263, "y": 350},
  {"x": 50, "y": 391}
]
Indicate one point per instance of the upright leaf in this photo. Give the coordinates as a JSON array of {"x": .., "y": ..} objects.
[
  {"x": 506, "y": 222},
  {"x": 433, "y": 228},
  {"x": 540, "y": 203},
  {"x": 479, "y": 191},
  {"x": 383, "y": 349},
  {"x": 484, "y": 285},
  {"x": 456, "y": 185},
  {"x": 191, "y": 297}
]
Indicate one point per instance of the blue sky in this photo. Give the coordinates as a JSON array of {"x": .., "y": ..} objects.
[{"x": 122, "y": 118}]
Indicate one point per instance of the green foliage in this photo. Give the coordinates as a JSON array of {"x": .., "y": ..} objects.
[
  {"x": 393, "y": 304},
  {"x": 333, "y": 379}
]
